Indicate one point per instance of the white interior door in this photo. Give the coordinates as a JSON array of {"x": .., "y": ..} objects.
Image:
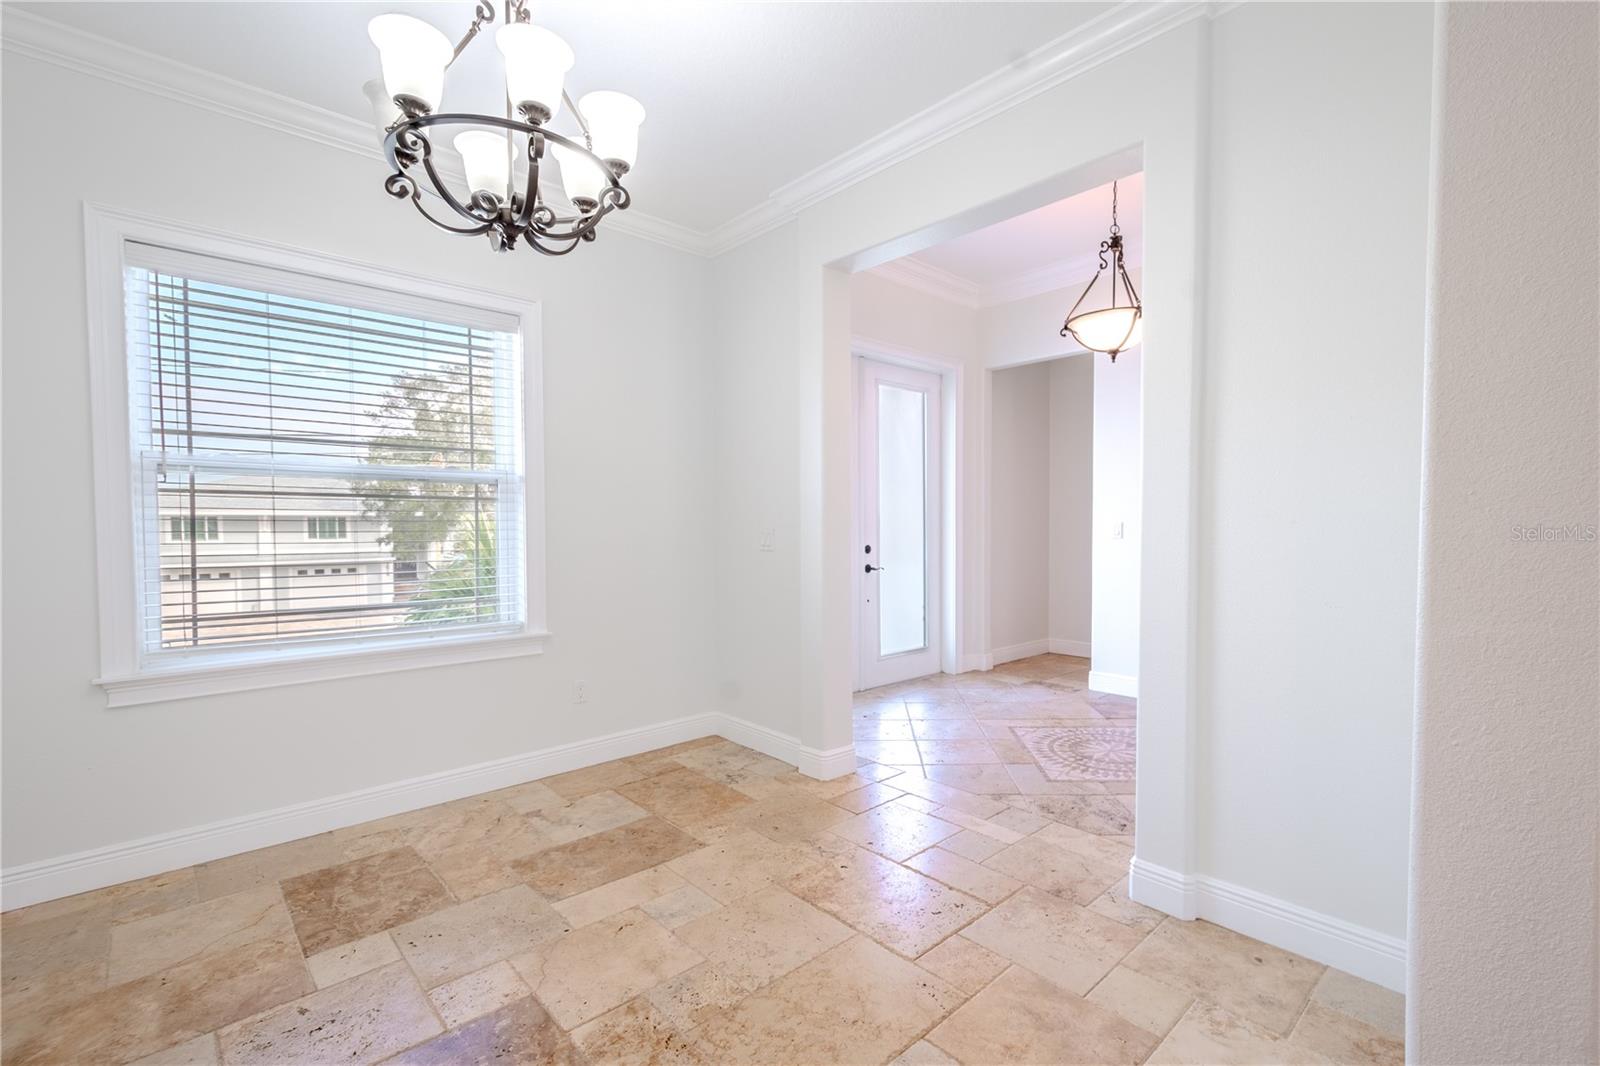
[{"x": 898, "y": 551}]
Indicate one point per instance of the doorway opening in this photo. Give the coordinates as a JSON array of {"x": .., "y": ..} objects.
[{"x": 1036, "y": 697}]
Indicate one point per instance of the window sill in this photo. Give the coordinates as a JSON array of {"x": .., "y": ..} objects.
[{"x": 189, "y": 681}]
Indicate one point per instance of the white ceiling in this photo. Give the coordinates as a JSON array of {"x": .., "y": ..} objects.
[
  {"x": 1066, "y": 233},
  {"x": 742, "y": 98}
]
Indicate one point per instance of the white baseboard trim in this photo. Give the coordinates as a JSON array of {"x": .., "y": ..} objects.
[
  {"x": 976, "y": 662},
  {"x": 1011, "y": 653},
  {"x": 1115, "y": 684},
  {"x": 1371, "y": 955},
  {"x": 36, "y": 882},
  {"x": 1061, "y": 646}
]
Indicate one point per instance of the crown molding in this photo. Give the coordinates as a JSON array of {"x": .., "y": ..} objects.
[
  {"x": 1051, "y": 277},
  {"x": 913, "y": 273},
  {"x": 32, "y": 36},
  {"x": 1124, "y": 27}
]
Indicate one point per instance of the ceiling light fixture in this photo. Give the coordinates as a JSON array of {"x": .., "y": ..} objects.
[
  {"x": 504, "y": 158},
  {"x": 1114, "y": 328}
]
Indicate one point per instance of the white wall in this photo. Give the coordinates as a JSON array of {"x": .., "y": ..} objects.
[
  {"x": 1019, "y": 510},
  {"x": 1072, "y": 420},
  {"x": 1277, "y": 668},
  {"x": 630, "y": 424},
  {"x": 1115, "y": 538},
  {"x": 1503, "y": 915},
  {"x": 1310, "y": 450}
]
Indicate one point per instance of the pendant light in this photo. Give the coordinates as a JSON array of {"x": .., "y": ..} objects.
[{"x": 1119, "y": 326}]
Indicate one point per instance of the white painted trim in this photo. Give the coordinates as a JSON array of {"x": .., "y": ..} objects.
[
  {"x": 69, "y": 874},
  {"x": 970, "y": 663},
  {"x": 1052, "y": 277},
  {"x": 127, "y": 678},
  {"x": 1013, "y": 652},
  {"x": 1062, "y": 646},
  {"x": 1368, "y": 954},
  {"x": 155, "y": 686},
  {"x": 35, "y": 882},
  {"x": 913, "y": 273},
  {"x": 1122, "y": 28},
  {"x": 1115, "y": 684}
]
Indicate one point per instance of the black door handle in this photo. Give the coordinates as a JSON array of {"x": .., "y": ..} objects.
[{"x": 871, "y": 568}]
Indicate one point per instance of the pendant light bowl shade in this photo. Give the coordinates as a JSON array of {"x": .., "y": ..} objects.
[
  {"x": 537, "y": 62},
  {"x": 1111, "y": 329},
  {"x": 414, "y": 56},
  {"x": 614, "y": 119},
  {"x": 484, "y": 158}
]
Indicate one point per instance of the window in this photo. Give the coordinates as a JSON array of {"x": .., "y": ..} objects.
[
  {"x": 326, "y": 529},
  {"x": 182, "y": 527},
  {"x": 322, "y": 421}
]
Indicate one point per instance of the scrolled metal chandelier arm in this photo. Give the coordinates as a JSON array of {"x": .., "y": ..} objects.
[{"x": 497, "y": 204}]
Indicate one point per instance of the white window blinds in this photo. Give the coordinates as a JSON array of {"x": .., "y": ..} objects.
[{"x": 317, "y": 463}]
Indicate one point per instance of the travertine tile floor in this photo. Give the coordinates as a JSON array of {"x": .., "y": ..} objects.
[{"x": 698, "y": 904}]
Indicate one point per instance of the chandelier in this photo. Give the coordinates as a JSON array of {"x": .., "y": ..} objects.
[
  {"x": 505, "y": 158},
  {"x": 1119, "y": 326}
]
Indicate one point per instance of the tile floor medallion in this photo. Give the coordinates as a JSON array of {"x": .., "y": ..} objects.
[
  {"x": 960, "y": 898},
  {"x": 1080, "y": 752}
]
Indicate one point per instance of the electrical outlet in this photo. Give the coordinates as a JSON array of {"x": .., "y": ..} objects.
[
  {"x": 580, "y": 692},
  {"x": 1117, "y": 534},
  {"x": 769, "y": 537}
]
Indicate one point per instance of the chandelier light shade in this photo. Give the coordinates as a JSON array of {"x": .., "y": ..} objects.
[
  {"x": 1118, "y": 326},
  {"x": 506, "y": 160}
]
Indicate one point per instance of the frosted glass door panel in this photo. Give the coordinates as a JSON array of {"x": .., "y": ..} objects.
[{"x": 902, "y": 520}]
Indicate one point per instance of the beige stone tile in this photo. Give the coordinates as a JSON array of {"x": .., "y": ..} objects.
[
  {"x": 988, "y": 885},
  {"x": 469, "y": 936},
  {"x": 620, "y": 895},
  {"x": 917, "y": 803},
  {"x": 635, "y": 1034},
  {"x": 855, "y": 1003},
  {"x": 1113, "y": 851},
  {"x": 266, "y": 866},
  {"x": 476, "y": 994},
  {"x": 973, "y": 845},
  {"x": 1379, "y": 1007},
  {"x": 355, "y": 899},
  {"x": 863, "y": 775},
  {"x": 895, "y": 831},
  {"x": 679, "y": 906},
  {"x": 883, "y": 728},
  {"x": 123, "y": 902},
  {"x": 1207, "y": 1035},
  {"x": 201, "y": 1051},
  {"x": 591, "y": 970},
  {"x": 790, "y": 818},
  {"x": 363, "y": 1019},
  {"x": 1010, "y": 751},
  {"x": 1023, "y": 823},
  {"x": 1071, "y": 875},
  {"x": 947, "y": 729},
  {"x": 520, "y": 1032},
  {"x": 893, "y": 752},
  {"x": 1100, "y": 815},
  {"x": 964, "y": 964},
  {"x": 728, "y": 763},
  {"x": 1030, "y": 781},
  {"x": 474, "y": 869},
  {"x": 583, "y": 817},
  {"x": 607, "y": 775},
  {"x": 357, "y": 957},
  {"x": 923, "y": 1053},
  {"x": 923, "y": 710},
  {"x": 530, "y": 796},
  {"x": 956, "y": 751},
  {"x": 1055, "y": 939},
  {"x": 685, "y": 798},
  {"x": 988, "y": 779},
  {"x": 868, "y": 797},
  {"x": 1256, "y": 981},
  {"x": 947, "y": 796},
  {"x": 979, "y": 825},
  {"x": 568, "y": 869},
  {"x": 142, "y": 1016},
  {"x": 899, "y": 908},
  {"x": 1341, "y": 1038},
  {"x": 740, "y": 863},
  {"x": 1151, "y": 1005},
  {"x": 1022, "y": 1017},
  {"x": 694, "y": 995},
  {"x": 146, "y": 945},
  {"x": 433, "y": 829},
  {"x": 762, "y": 936},
  {"x": 1115, "y": 904}
]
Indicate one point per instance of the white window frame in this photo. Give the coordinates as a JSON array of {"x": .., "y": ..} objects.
[{"x": 125, "y": 674}]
